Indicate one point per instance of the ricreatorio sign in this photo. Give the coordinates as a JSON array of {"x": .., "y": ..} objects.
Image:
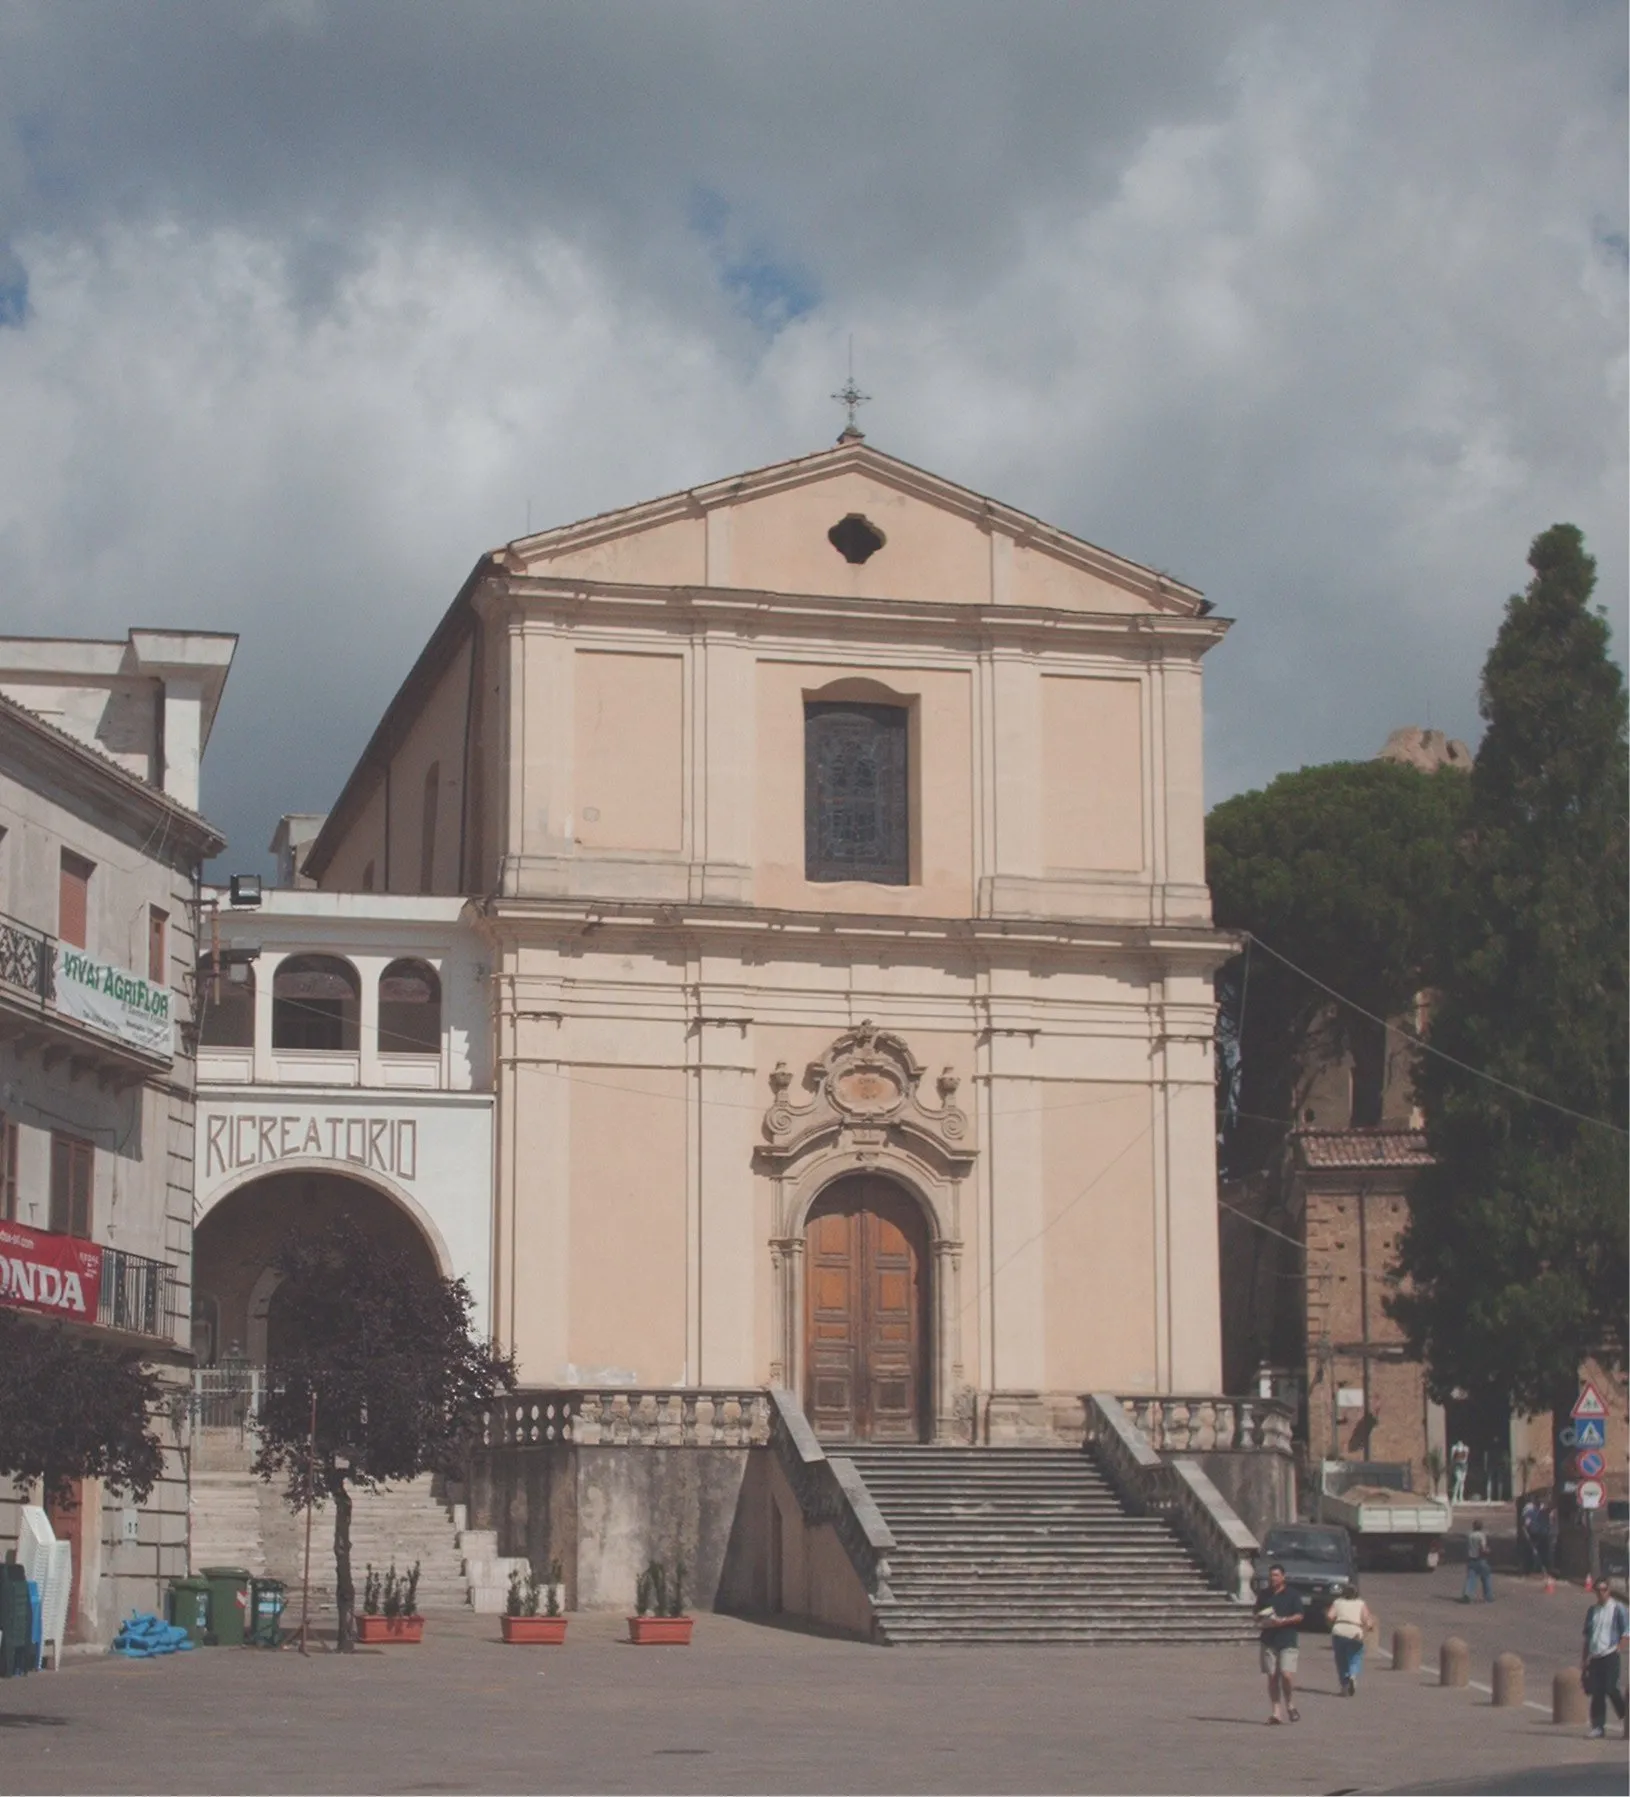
[
  {"x": 115, "y": 1001},
  {"x": 235, "y": 1140}
]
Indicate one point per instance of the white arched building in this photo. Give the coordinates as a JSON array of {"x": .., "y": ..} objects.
[{"x": 343, "y": 1070}]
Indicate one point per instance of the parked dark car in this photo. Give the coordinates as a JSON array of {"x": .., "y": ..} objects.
[{"x": 1318, "y": 1562}]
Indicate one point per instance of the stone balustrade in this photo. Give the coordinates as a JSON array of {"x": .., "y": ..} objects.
[
  {"x": 1173, "y": 1487},
  {"x": 676, "y": 1418},
  {"x": 1207, "y": 1424}
]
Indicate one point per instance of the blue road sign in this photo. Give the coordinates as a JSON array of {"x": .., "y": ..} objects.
[
  {"x": 1591, "y": 1464},
  {"x": 1589, "y": 1432}
]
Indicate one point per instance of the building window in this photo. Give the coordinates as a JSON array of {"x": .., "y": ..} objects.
[
  {"x": 73, "y": 899},
  {"x": 158, "y": 963},
  {"x": 409, "y": 1009},
  {"x": 856, "y": 823},
  {"x": 73, "y": 1165},
  {"x": 427, "y": 835},
  {"x": 315, "y": 1004},
  {"x": 226, "y": 1009},
  {"x": 8, "y": 1171}
]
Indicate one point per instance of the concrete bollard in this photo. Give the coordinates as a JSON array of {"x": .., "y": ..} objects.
[
  {"x": 1508, "y": 1679},
  {"x": 1568, "y": 1700},
  {"x": 1454, "y": 1663},
  {"x": 1406, "y": 1648}
]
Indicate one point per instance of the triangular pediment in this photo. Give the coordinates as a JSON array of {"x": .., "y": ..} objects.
[{"x": 849, "y": 521}]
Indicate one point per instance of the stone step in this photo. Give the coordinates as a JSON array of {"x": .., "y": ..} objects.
[{"x": 1030, "y": 1545}]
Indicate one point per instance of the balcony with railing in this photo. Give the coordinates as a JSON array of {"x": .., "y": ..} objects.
[
  {"x": 67, "y": 1004},
  {"x": 137, "y": 1295},
  {"x": 68, "y": 1280},
  {"x": 28, "y": 960}
]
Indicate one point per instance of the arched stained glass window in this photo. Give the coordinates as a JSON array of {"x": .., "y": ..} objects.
[{"x": 856, "y": 822}]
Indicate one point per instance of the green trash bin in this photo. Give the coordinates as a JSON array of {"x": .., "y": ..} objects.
[
  {"x": 267, "y": 1600},
  {"x": 187, "y": 1607},
  {"x": 228, "y": 1605}
]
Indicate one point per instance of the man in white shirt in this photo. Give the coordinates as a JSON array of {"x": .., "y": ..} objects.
[{"x": 1607, "y": 1635}]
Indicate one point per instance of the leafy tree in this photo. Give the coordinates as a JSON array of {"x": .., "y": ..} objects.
[
  {"x": 400, "y": 1382},
  {"x": 75, "y": 1409},
  {"x": 1516, "y": 1246},
  {"x": 1344, "y": 870}
]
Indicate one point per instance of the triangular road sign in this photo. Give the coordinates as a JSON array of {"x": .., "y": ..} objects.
[{"x": 1589, "y": 1402}]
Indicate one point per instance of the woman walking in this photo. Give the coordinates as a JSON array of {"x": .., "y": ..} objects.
[{"x": 1350, "y": 1618}]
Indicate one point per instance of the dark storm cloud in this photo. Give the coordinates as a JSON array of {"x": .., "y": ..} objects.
[{"x": 1318, "y": 306}]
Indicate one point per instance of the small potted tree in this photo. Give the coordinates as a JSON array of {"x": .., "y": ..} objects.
[
  {"x": 521, "y": 1622},
  {"x": 660, "y": 1619},
  {"x": 390, "y": 1608}
]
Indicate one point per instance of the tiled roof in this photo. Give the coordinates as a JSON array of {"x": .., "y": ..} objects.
[{"x": 1363, "y": 1148}]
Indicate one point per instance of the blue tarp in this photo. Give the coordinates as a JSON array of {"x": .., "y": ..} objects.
[{"x": 142, "y": 1636}]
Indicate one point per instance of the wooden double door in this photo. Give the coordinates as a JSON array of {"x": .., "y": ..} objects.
[{"x": 866, "y": 1313}]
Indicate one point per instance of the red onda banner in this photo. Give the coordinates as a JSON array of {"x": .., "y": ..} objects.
[{"x": 56, "y": 1274}]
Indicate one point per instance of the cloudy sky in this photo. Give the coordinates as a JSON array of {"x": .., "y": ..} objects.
[{"x": 305, "y": 303}]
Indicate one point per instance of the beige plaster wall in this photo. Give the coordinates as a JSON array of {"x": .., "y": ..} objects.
[
  {"x": 628, "y": 771},
  {"x": 437, "y": 736},
  {"x": 1092, "y": 773},
  {"x": 941, "y": 792},
  {"x": 1099, "y": 1246},
  {"x": 816, "y": 1577},
  {"x": 362, "y": 843},
  {"x": 1041, "y": 579},
  {"x": 671, "y": 554},
  {"x": 633, "y": 1090},
  {"x": 941, "y": 543},
  {"x": 628, "y": 1225},
  {"x": 778, "y": 540}
]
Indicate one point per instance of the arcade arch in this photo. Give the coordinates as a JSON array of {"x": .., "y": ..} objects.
[{"x": 237, "y": 1242}]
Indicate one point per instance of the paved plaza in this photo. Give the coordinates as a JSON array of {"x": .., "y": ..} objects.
[{"x": 757, "y": 1708}]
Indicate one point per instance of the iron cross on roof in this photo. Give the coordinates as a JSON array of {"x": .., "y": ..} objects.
[{"x": 851, "y": 396}]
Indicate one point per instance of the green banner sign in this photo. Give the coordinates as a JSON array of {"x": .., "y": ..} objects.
[{"x": 115, "y": 1001}]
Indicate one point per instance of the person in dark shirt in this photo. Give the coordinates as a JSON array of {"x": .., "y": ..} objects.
[{"x": 1279, "y": 1615}]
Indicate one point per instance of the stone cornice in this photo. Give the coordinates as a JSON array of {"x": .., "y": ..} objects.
[
  {"x": 761, "y": 613},
  {"x": 517, "y": 919}
]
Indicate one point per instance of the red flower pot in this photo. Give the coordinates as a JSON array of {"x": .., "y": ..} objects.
[
  {"x": 545, "y": 1631},
  {"x": 375, "y": 1631},
  {"x": 660, "y": 1631}
]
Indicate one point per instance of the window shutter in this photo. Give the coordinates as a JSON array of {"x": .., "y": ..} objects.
[
  {"x": 73, "y": 900},
  {"x": 73, "y": 1167}
]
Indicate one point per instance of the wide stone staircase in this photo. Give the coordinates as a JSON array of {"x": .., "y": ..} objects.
[
  {"x": 238, "y": 1520},
  {"x": 1031, "y": 1545}
]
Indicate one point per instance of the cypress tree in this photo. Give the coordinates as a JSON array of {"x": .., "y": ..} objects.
[{"x": 1515, "y": 1253}]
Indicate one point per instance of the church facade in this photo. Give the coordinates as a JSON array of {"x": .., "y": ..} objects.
[{"x": 834, "y": 836}]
